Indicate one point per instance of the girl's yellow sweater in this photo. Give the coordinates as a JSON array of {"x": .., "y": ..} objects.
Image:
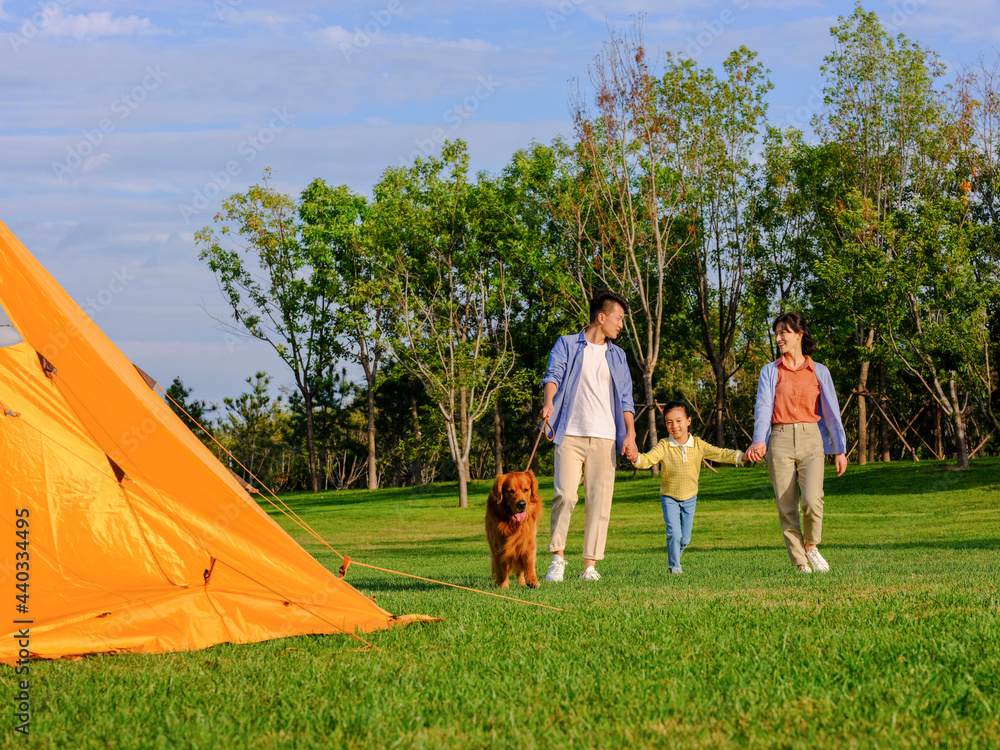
[{"x": 680, "y": 464}]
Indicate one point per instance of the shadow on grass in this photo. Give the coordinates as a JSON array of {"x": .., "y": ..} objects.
[
  {"x": 972, "y": 544},
  {"x": 959, "y": 544},
  {"x": 335, "y": 498},
  {"x": 429, "y": 548},
  {"x": 897, "y": 479},
  {"x": 393, "y": 584}
]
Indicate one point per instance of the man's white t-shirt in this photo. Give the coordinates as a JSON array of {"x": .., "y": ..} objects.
[{"x": 591, "y": 414}]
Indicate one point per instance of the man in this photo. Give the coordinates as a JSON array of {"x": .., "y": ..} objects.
[{"x": 588, "y": 395}]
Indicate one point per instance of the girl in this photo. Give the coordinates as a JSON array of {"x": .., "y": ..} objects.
[{"x": 680, "y": 457}]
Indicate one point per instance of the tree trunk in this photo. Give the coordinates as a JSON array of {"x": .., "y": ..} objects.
[
  {"x": 462, "y": 416},
  {"x": 883, "y": 422},
  {"x": 460, "y": 457},
  {"x": 372, "y": 467},
  {"x": 863, "y": 404},
  {"x": 463, "y": 481},
  {"x": 938, "y": 436},
  {"x": 720, "y": 407},
  {"x": 310, "y": 444},
  {"x": 462, "y": 454},
  {"x": 862, "y": 426},
  {"x": 498, "y": 440},
  {"x": 417, "y": 469},
  {"x": 647, "y": 385},
  {"x": 961, "y": 447}
]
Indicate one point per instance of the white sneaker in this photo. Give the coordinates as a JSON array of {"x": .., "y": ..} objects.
[
  {"x": 590, "y": 574},
  {"x": 805, "y": 569},
  {"x": 816, "y": 560},
  {"x": 555, "y": 574}
]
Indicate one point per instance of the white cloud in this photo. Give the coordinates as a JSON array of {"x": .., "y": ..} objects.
[
  {"x": 336, "y": 35},
  {"x": 260, "y": 17},
  {"x": 96, "y": 24},
  {"x": 426, "y": 43},
  {"x": 359, "y": 39},
  {"x": 95, "y": 162}
]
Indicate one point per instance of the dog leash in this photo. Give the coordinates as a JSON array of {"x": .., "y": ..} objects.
[{"x": 550, "y": 435}]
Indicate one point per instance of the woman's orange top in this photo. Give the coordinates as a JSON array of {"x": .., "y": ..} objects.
[{"x": 796, "y": 394}]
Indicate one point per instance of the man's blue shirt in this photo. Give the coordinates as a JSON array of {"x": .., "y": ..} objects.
[{"x": 565, "y": 365}]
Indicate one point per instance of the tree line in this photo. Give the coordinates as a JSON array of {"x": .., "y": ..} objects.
[{"x": 446, "y": 289}]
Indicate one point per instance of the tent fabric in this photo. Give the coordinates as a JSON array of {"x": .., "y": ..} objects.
[{"x": 139, "y": 539}]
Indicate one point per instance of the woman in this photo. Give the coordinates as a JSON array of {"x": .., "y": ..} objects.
[{"x": 797, "y": 419}]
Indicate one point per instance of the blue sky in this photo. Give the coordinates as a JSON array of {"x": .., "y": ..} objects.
[{"x": 123, "y": 127}]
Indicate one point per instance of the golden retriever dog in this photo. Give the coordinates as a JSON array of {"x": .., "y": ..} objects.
[{"x": 512, "y": 514}]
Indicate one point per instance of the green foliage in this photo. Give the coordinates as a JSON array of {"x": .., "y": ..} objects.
[
  {"x": 937, "y": 311},
  {"x": 411, "y": 433},
  {"x": 334, "y": 222},
  {"x": 889, "y": 206},
  {"x": 254, "y": 427},
  {"x": 280, "y": 289},
  {"x": 292, "y": 307},
  {"x": 443, "y": 246},
  {"x": 884, "y": 113},
  {"x": 724, "y": 266},
  {"x": 448, "y": 289},
  {"x": 192, "y": 412}
]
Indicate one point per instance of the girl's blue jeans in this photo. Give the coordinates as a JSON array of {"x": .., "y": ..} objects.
[{"x": 679, "y": 517}]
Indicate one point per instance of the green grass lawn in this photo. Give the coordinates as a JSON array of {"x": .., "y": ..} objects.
[{"x": 898, "y": 646}]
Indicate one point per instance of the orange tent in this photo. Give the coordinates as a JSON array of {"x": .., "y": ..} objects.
[{"x": 124, "y": 533}]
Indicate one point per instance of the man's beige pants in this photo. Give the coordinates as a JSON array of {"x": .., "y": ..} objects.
[
  {"x": 572, "y": 455},
  {"x": 795, "y": 462}
]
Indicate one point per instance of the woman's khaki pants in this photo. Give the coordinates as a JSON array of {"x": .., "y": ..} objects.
[{"x": 796, "y": 462}]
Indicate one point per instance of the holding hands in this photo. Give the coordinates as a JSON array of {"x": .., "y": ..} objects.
[
  {"x": 630, "y": 450},
  {"x": 755, "y": 452}
]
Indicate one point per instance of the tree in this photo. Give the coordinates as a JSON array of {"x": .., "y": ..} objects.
[
  {"x": 194, "y": 413},
  {"x": 721, "y": 118},
  {"x": 447, "y": 289},
  {"x": 546, "y": 299},
  {"x": 338, "y": 417},
  {"x": 411, "y": 427},
  {"x": 518, "y": 225},
  {"x": 334, "y": 221},
  {"x": 977, "y": 107},
  {"x": 784, "y": 214},
  {"x": 280, "y": 290},
  {"x": 889, "y": 128},
  {"x": 253, "y": 426},
  {"x": 627, "y": 204},
  {"x": 938, "y": 325},
  {"x": 942, "y": 267}
]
